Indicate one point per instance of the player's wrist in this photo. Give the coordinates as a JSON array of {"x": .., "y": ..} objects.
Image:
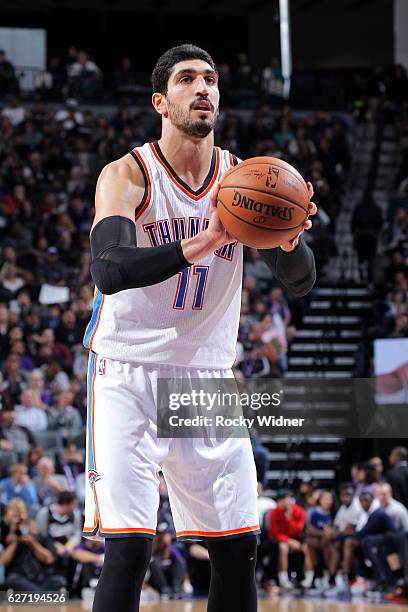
[
  {"x": 213, "y": 240},
  {"x": 198, "y": 247}
]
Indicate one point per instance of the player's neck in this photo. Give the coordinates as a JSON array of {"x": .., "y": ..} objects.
[{"x": 190, "y": 158}]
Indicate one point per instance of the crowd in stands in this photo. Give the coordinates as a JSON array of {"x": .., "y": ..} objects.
[
  {"x": 50, "y": 158},
  {"x": 391, "y": 313},
  {"x": 395, "y": 317},
  {"x": 77, "y": 74},
  {"x": 354, "y": 542}
]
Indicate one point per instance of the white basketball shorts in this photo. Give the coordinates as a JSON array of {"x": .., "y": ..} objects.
[{"x": 211, "y": 483}]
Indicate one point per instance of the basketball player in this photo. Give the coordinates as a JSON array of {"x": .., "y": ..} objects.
[{"x": 167, "y": 303}]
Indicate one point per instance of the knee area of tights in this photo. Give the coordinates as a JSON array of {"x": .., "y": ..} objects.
[{"x": 138, "y": 549}]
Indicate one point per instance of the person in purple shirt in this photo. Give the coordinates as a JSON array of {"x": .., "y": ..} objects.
[
  {"x": 168, "y": 566},
  {"x": 89, "y": 554}
]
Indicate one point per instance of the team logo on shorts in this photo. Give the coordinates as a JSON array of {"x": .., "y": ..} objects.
[
  {"x": 93, "y": 477},
  {"x": 102, "y": 367}
]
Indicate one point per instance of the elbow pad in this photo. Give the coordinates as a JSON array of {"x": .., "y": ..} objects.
[{"x": 118, "y": 263}]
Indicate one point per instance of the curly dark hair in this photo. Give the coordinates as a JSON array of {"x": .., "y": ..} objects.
[{"x": 162, "y": 70}]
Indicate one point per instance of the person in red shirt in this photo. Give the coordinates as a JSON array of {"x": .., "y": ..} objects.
[{"x": 286, "y": 524}]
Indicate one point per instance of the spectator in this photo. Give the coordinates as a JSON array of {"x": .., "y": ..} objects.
[
  {"x": 167, "y": 567},
  {"x": 52, "y": 271},
  {"x": 28, "y": 415},
  {"x": 376, "y": 526},
  {"x": 14, "y": 438},
  {"x": 365, "y": 478},
  {"x": 68, "y": 331},
  {"x": 5, "y": 397},
  {"x": 366, "y": 224},
  {"x": 65, "y": 417},
  {"x": 378, "y": 466},
  {"x": 272, "y": 80},
  {"x": 11, "y": 281},
  {"x": 261, "y": 455},
  {"x": 286, "y": 524},
  {"x": 265, "y": 505},
  {"x": 48, "y": 484},
  {"x": 84, "y": 76},
  {"x": 395, "y": 510},
  {"x": 12, "y": 515},
  {"x": 71, "y": 464},
  {"x": 253, "y": 365},
  {"x": 349, "y": 515},
  {"x": 62, "y": 522},
  {"x": 15, "y": 112},
  {"x": 19, "y": 485},
  {"x": 198, "y": 568},
  {"x": 4, "y": 329},
  {"x": 56, "y": 378},
  {"x": 125, "y": 77},
  {"x": 42, "y": 396},
  {"x": 70, "y": 116},
  {"x": 89, "y": 554},
  {"x": 397, "y": 476},
  {"x": 34, "y": 455},
  {"x": 319, "y": 534},
  {"x": 164, "y": 515},
  {"x": 306, "y": 489},
  {"x": 29, "y": 558},
  {"x": 8, "y": 81}
]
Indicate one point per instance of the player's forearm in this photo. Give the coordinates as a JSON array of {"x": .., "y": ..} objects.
[
  {"x": 119, "y": 264},
  {"x": 296, "y": 270},
  {"x": 198, "y": 247}
]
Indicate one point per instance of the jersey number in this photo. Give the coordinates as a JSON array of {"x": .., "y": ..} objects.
[{"x": 201, "y": 273}]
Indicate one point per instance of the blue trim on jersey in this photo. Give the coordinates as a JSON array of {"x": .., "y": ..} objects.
[
  {"x": 91, "y": 325},
  {"x": 89, "y": 424},
  {"x": 234, "y": 157}
]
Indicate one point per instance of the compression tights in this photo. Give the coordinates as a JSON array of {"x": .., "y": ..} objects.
[{"x": 127, "y": 559}]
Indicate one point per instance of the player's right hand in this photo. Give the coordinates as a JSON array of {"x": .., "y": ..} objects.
[{"x": 215, "y": 230}]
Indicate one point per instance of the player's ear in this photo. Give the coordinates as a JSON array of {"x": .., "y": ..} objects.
[{"x": 159, "y": 102}]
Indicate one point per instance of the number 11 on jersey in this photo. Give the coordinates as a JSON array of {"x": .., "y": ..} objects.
[{"x": 201, "y": 274}]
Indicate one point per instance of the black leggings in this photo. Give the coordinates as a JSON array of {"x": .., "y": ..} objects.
[
  {"x": 124, "y": 569},
  {"x": 126, "y": 561},
  {"x": 233, "y": 585}
]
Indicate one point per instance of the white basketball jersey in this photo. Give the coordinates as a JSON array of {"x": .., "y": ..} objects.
[{"x": 192, "y": 318}]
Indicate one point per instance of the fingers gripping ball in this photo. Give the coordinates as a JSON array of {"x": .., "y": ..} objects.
[{"x": 263, "y": 202}]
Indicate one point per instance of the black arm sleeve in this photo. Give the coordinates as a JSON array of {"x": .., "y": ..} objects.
[
  {"x": 118, "y": 263},
  {"x": 295, "y": 270}
]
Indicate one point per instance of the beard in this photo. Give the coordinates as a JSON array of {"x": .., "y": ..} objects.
[{"x": 180, "y": 118}]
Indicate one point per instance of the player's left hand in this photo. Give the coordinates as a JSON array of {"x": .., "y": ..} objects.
[{"x": 312, "y": 210}]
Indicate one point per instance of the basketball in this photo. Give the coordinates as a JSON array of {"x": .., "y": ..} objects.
[{"x": 263, "y": 202}]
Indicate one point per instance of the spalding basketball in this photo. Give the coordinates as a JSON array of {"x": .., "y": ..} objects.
[{"x": 263, "y": 202}]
